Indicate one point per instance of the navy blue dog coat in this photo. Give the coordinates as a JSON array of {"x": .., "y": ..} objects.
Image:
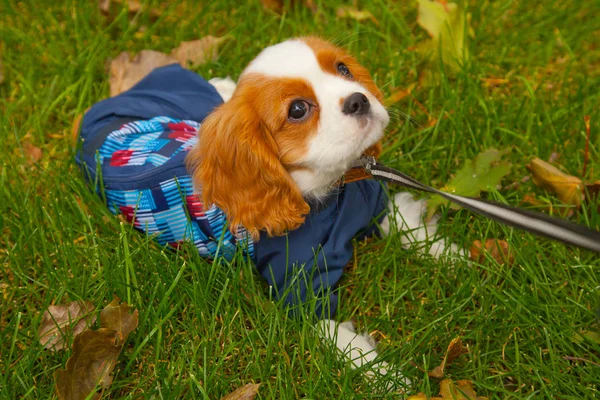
[{"x": 132, "y": 150}]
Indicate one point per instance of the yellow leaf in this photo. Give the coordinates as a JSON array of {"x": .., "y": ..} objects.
[
  {"x": 455, "y": 349},
  {"x": 445, "y": 23},
  {"x": 566, "y": 187},
  {"x": 421, "y": 396},
  {"x": 461, "y": 390},
  {"x": 355, "y": 14},
  {"x": 433, "y": 15},
  {"x": 399, "y": 94}
]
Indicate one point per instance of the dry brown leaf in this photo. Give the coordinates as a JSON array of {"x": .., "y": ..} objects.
[
  {"x": 75, "y": 128},
  {"x": 62, "y": 321},
  {"x": 94, "y": 356},
  {"x": 1, "y": 68},
  {"x": 32, "y": 154},
  {"x": 278, "y": 5},
  {"x": 197, "y": 52},
  {"x": 110, "y": 8},
  {"x": 355, "y": 14},
  {"x": 118, "y": 317},
  {"x": 498, "y": 249},
  {"x": 566, "y": 187},
  {"x": 126, "y": 72},
  {"x": 104, "y": 6},
  {"x": 273, "y": 5},
  {"x": 246, "y": 392},
  {"x": 455, "y": 349}
]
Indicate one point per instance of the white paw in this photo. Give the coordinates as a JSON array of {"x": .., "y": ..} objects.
[
  {"x": 408, "y": 218},
  {"x": 359, "y": 348},
  {"x": 225, "y": 87}
]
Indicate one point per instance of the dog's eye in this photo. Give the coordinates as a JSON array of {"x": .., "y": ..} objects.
[
  {"x": 298, "y": 110},
  {"x": 343, "y": 69}
]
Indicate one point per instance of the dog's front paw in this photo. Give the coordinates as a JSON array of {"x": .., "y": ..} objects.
[{"x": 407, "y": 213}]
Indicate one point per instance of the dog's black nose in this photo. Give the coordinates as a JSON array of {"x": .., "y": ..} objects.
[{"x": 356, "y": 104}]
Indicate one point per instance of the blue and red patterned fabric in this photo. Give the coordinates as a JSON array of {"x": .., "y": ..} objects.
[
  {"x": 169, "y": 209},
  {"x": 133, "y": 149}
]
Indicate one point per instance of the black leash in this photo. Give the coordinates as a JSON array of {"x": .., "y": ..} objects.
[{"x": 534, "y": 222}]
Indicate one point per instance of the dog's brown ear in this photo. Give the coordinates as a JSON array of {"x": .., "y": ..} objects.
[{"x": 236, "y": 167}]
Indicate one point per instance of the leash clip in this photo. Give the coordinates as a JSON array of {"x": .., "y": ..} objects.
[{"x": 365, "y": 162}]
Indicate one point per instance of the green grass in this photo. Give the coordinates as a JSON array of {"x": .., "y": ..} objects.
[{"x": 205, "y": 330}]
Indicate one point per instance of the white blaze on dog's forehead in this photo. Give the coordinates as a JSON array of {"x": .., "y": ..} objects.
[
  {"x": 292, "y": 58},
  {"x": 295, "y": 59}
]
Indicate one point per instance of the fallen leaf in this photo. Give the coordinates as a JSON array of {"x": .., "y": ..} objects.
[
  {"x": 246, "y": 392},
  {"x": 399, "y": 94},
  {"x": 490, "y": 82},
  {"x": 433, "y": 15},
  {"x": 591, "y": 335},
  {"x": 94, "y": 357},
  {"x": 126, "y": 72},
  {"x": 485, "y": 171},
  {"x": 455, "y": 349},
  {"x": 499, "y": 250},
  {"x": 278, "y": 5},
  {"x": 111, "y": 8},
  {"x": 1, "y": 71},
  {"x": 95, "y": 354},
  {"x": 445, "y": 23},
  {"x": 32, "y": 154},
  {"x": 565, "y": 212},
  {"x": 461, "y": 390},
  {"x": 566, "y": 187},
  {"x": 104, "y": 6},
  {"x": 62, "y": 321},
  {"x": 422, "y": 396},
  {"x": 118, "y": 317},
  {"x": 273, "y": 5},
  {"x": 355, "y": 14},
  {"x": 197, "y": 52},
  {"x": 586, "y": 152}
]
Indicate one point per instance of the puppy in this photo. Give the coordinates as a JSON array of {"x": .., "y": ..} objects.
[{"x": 256, "y": 168}]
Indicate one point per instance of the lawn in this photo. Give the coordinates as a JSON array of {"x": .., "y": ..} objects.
[{"x": 205, "y": 330}]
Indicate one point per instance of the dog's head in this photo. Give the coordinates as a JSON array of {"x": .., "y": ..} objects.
[{"x": 302, "y": 112}]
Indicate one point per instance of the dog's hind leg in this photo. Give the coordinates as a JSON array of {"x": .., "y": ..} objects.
[
  {"x": 360, "y": 349},
  {"x": 225, "y": 87}
]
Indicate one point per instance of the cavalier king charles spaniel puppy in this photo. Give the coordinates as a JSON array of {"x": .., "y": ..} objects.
[{"x": 257, "y": 167}]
